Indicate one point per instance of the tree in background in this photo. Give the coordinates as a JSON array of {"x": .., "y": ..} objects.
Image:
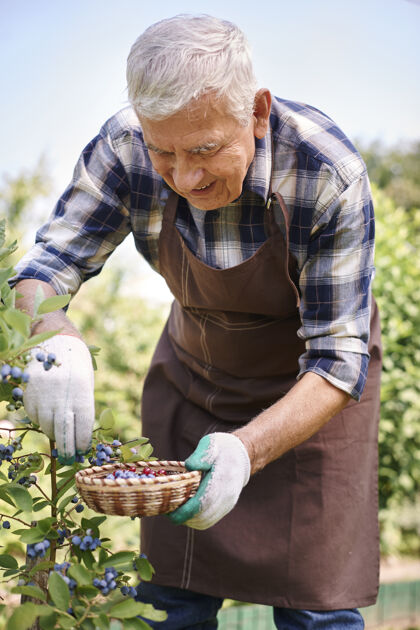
[
  {"x": 397, "y": 290},
  {"x": 127, "y": 330},
  {"x": 396, "y": 171},
  {"x": 18, "y": 195}
]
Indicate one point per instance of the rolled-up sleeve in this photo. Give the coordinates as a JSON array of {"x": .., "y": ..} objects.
[
  {"x": 89, "y": 221},
  {"x": 335, "y": 284}
]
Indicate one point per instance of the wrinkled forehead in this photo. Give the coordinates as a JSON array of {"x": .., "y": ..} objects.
[
  {"x": 207, "y": 108},
  {"x": 203, "y": 122}
]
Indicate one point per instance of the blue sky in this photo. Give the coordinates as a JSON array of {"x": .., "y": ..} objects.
[{"x": 62, "y": 67}]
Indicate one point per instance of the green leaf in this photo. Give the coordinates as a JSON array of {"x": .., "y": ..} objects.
[
  {"x": 65, "y": 502},
  {"x": 106, "y": 420},
  {"x": 20, "y": 496},
  {"x": 31, "y": 536},
  {"x": 8, "y": 562},
  {"x": 65, "y": 476},
  {"x": 64, "y": 489},
  {"x": 5, "y": 497},
  {"x": 4, "y": 343},
  {"x": 7, "y": 340},
  {"x": 10, "y": 572},
  {"x": 88, "y": 624},
  {"x": 95, "y": 521},
  {"x": 136, "y": 624},
  {"x": 89, "y": 591},
  {"x": 150, "y": 612},
  {"x": 18, "y": 320},
  {"x": 58, "y": 591},
  {"x": 130, "y": 608},
  {"x": 66, "y": 622},
  {"x": 5, "y": 252},
  {"x": 37, "y": 339},
  {"x": 80, "y": 574},
  {"x": 119, "y": 559},
  {"x": 53, "y": 303},
  {"x": 144, "y": 568},
  {"x": 44, "y": 524},
  {"x": 5, "y": 274},
  {"x": 126, "y": 609},
  {"x": 145, "y": 451},
  {"x": 39, "y": 297},
  {"x": 36, "y": 464},
  {"x": 48, "y": 622},
  {"x": 126, "y": 452},
  {"x": 41, "y": 566},
  {"x": 115, "y": 625},
  {"x": 93, "y": 524},
  {"x": 8, "y": 295},
  {"x": 24, "y": 616},
  {"x": 88, "y": 558},
  {"x": 40, "y": 505},
  {"x": 17, "y": 340},
  {"x": 31, "y": 591},
  {"x": 94, "y": 351},
  {"x": 102, "y": 622}
]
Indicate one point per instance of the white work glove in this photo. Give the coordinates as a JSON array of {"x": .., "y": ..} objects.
[
  {"x": 226, "y": 468},
  {"x": 61, "y": 399}
]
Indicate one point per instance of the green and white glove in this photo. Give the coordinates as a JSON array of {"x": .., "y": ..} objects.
[
  {"x": 61, "y": 399},
  {"x": 226, "y": 468}
]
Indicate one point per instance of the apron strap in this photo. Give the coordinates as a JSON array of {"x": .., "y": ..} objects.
[{"x": 290, "y": 262}]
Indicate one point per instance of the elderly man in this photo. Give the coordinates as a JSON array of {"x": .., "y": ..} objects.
[{"x": 257, "y": 212}]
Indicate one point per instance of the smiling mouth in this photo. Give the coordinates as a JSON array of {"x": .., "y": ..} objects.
[{"x": 202, "y": 190}]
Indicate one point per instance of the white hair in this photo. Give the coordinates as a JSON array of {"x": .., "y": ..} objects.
[{"x": 178, "y": 60}]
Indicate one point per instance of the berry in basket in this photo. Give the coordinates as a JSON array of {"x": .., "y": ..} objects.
[
  {"x": 137, "y": 489},
  {"x": 135, "y": 473}
]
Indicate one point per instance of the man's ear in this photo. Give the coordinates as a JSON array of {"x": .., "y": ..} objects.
[{"x": 262, "y": 108}]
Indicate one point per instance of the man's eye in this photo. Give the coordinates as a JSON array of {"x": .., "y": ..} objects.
[
  {"x": 208, "y": 153},
  {"x": 155, "y": 151},
  {"x": 160, "y": 153}
]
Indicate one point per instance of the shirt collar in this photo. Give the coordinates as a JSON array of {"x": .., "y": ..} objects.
[{"x": 257, "y": 179}]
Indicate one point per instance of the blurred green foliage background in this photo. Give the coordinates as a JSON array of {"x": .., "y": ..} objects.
[{"x": 126, "y": 329}]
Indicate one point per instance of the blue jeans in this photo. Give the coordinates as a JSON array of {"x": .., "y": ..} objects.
[{"x": 194, "y": 611}]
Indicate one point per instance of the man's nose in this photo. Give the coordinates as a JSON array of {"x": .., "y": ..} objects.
[{"x": 187, "y": 175}]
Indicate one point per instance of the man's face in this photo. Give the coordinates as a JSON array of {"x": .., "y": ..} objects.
[{"x": 202, "y": 153}]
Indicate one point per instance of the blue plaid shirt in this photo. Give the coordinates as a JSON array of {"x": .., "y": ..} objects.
[{"x": 315, "y": 168}]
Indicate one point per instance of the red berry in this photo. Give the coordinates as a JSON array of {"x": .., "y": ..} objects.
[
  {"x": 147, "y": 470},
  {"x": 133, "y": 469},
  {"x": 162, "y": 471}
]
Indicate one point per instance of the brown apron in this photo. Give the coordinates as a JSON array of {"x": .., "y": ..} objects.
[{"x": 304, "y": 533}]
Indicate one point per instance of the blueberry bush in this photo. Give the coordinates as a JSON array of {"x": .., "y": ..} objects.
[
  {"x": 397, "y": 290},
  {"x": 68, "y": 576}
]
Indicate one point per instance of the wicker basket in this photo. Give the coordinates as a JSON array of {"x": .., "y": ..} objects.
[{"x": 137, "y": 497}]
